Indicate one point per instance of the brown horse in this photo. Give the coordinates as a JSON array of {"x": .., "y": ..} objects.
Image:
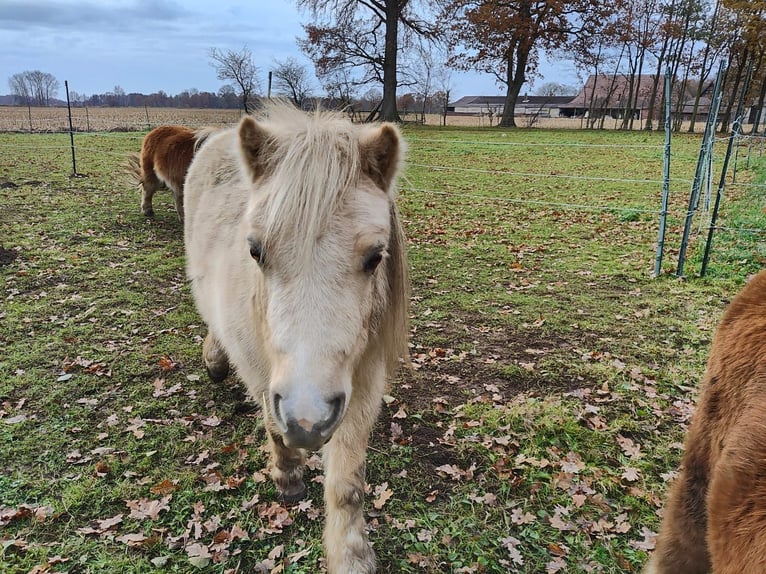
[
  {"x": 297, "y": 264},
  {"x": 715, "y": 515},
  {"x": 166, "y": 154}
]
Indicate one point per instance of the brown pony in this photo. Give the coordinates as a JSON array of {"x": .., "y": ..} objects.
[
  {"x": 166, "y": 154},
  {"x": 715, "y": 516}
]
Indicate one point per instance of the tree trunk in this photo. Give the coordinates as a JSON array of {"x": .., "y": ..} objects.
[
  {"x": 658, "y": 87},
  {"x": 637, "y": 93},
  {"x": 704, "y": 70},
  {"x": 653, "y": 96},
  {"x": 738, "y": 79},
  {"x": 515, "y": 79},
  {"x": 388, "y": 110},
  {"x": 626, "y": 106},
  {"x": 759, "y": 107},
  {"x": 679, "y": 111}
]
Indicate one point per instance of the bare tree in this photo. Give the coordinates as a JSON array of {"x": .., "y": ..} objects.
[
  {"x": 34, "y": 87},
  {"x": 366, "y": 37},
  {"x": 239, "y": 68},
  {"x": 556, "y": 89},
  {"x": 341, "y": 91},
  {"x": 292, "y": 78},
  {"x": 430, "y": 73},
  {"x": 20, "y": 89}
]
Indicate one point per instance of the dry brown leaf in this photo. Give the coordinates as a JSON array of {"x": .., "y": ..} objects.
[
  {"x": 383, "y": 494},
  {"x": 148, "y": 509}
]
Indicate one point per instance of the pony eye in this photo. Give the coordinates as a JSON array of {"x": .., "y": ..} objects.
[
  {"x": 256, "y": 250},
  {"x": 372, "y": 260}
]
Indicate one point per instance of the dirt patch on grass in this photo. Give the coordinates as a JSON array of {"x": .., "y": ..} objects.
[
  {"x": 7, "y": 256},
  {"x": 500, "y": 358}
]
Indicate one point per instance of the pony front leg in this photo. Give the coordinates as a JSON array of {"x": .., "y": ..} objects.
[
  {"x": 285, "y": 463},
  {"x": 216, "y": 360},
  {"x": 346, "y": 545}
]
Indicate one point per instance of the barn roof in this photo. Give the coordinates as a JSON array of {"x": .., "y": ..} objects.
[
  {"x": 466, "y": 101},
  {"x": 610, "y": 91}
]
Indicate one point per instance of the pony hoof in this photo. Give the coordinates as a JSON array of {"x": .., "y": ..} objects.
[
  {"x": 149, "y": 213},
  {"x": 293, "y": 495},
  {"x": 217, "y": 375}
]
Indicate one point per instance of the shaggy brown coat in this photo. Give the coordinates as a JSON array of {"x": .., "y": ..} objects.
[
  {"x": 166, "y": 154},
  {"x": 715, "y": 516}
]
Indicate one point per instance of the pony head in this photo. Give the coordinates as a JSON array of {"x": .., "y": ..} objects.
[{"x": 323, "y": 242}]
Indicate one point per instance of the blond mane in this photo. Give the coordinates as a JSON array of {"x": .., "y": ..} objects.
[{"x": 313, "y": 162}]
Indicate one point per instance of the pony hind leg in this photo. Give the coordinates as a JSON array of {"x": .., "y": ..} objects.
[
  {"x": 178, "y": 200},
  {"x": 216, "y": 360},
  {"x": 149, "y": 185}
]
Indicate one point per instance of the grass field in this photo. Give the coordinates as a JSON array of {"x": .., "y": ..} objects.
[{"x": 552, "y": 377}]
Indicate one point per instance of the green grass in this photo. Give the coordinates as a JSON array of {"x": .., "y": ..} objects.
[{"x": 553, "y": 376}]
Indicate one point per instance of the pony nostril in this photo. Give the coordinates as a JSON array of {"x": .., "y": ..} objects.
[
  {"x": 277, "y": 405},
  {"x": 336, "y": 405}
]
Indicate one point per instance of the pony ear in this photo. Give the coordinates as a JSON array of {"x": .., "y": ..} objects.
[
  {"x": 381, "y": 153},
  {"x": 252, "y": 144}
]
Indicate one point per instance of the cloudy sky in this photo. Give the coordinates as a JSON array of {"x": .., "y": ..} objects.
[{"x": 150, "y": 45}]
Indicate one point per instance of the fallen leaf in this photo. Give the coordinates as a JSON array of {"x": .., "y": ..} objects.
[
  {"x": 132, "y": 540},
  {"x": 144, "y": 508},
  {"x": 164, "y": 487},
  {"x": 630, "y": 474},
  {"x": 211, "y": 421},
  {"x": 383, "y": 493}
]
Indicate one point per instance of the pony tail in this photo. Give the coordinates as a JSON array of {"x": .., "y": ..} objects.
[{"x": 132, "y": 168}]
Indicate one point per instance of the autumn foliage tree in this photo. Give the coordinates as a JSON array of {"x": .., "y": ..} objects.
[
  {"x": 505, "y": 37},
  {"x": 748, "y": 53},
  {"x": 363, "y": 36}
]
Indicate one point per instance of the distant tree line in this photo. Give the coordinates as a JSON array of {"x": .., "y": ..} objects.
[{"x": 226, "y": 98}]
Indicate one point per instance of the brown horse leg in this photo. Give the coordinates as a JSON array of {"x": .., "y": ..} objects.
[
  {"x": 216, "y": 361},
  {"x": 681, "y": 547},
  {"x": 178, "y": 199},
  {"x": 149, "y": 185}
]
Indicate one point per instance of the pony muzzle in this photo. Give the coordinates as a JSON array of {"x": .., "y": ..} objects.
[{"x": 307, "y": 428}]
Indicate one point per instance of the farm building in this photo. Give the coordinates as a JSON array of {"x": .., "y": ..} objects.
[
  {"x": 605, "y": 95},
  {"x": 543, "y": 106}
]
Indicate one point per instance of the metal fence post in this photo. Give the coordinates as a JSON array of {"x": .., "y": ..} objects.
[
  {"x": 71, "y": 128},
  {"x": 735, "y": 129},
  {"x": 665, "y": 177},
  {"x": 707, "y": 137}
]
